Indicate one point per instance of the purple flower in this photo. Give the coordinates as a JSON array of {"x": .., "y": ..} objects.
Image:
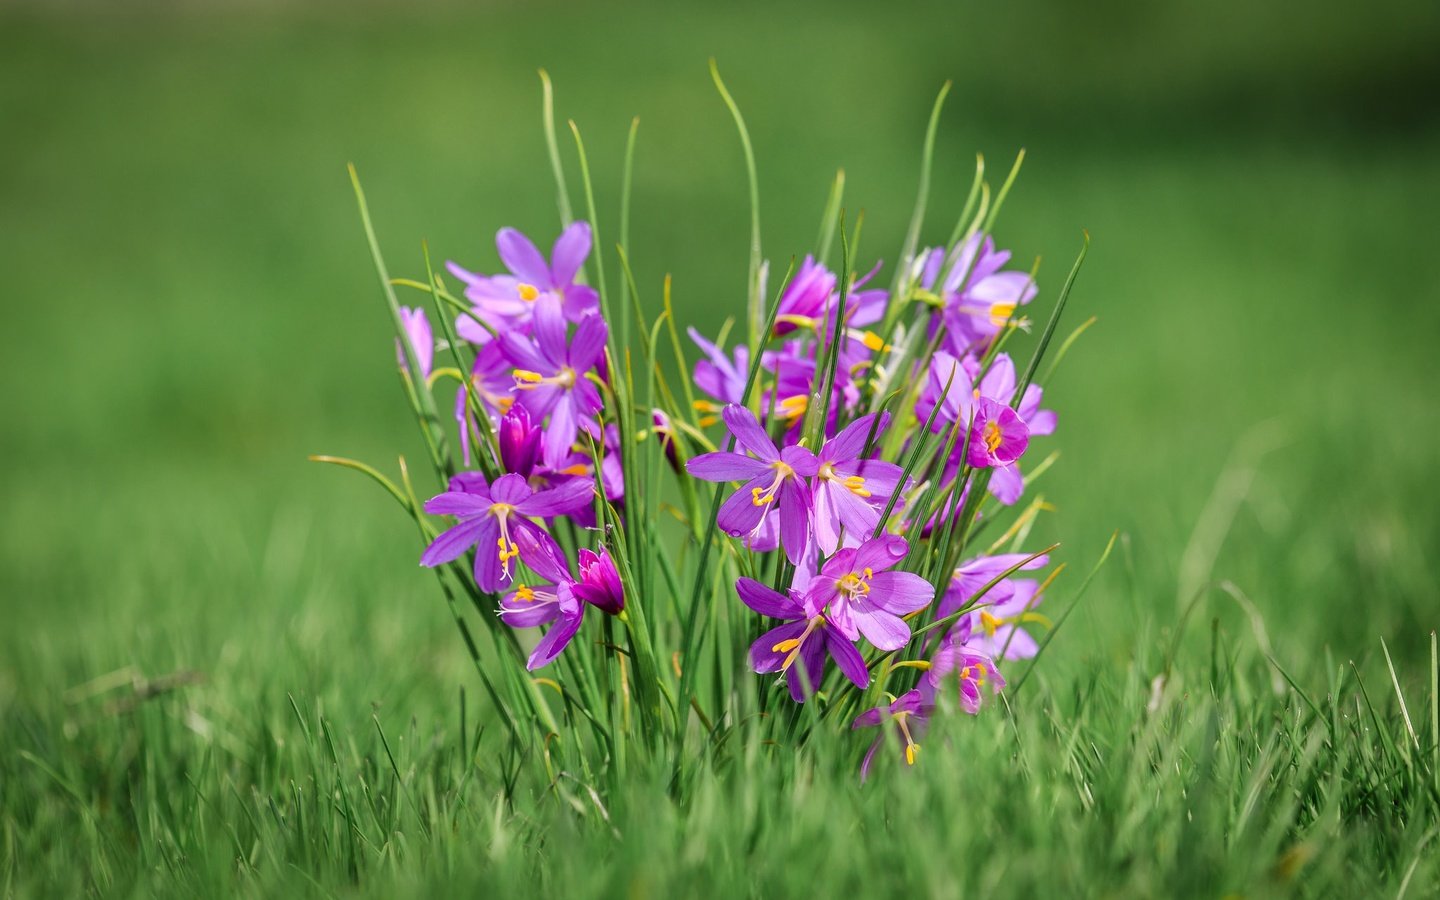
[
  {"x": 519, "y": 442},
  {"x": 775, "y": 479},
  {"x": 509, "y": 301},
  {"x": 976, "y": 299},
  {"x": 850, "y": 492},
  {"x": 719, "y": 376},
  {"x": 664, "y": 431},
  {"x": 909, "y": 714},
  {"x": 550, "y": 378},
  {"x": 807, "y": 637},
  {"x": 532, "y": 606},
  {"x": 422, "y": 341},
  {"x": 860, "y": 596},
  {"x": 998, "y": 436},
  {"x": 599, "y": 583},
  {"x": 810, "y": 299},
  {"x": 493, "y": 519},
  {"x": 973, "y": 672},
  {"x": 971, "y": 577},
  {"x": 996, "y": 630}
]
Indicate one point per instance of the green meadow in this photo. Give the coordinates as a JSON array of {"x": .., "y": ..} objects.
[{"x": 221, "y": 669}]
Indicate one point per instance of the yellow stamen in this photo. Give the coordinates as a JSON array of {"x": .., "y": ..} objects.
[
  {"x": 528, "y": 292},
  {"x": 766, "y": 495},
  {"x": 794, "y": 407},
  {"x": 992, "y": 436},
  {"x": 1000, "y": 313},
  {"x": 577, "y": 469},
  {"x": 852, "y": 584},
  {"x": 873, "y": 341},
  {"x": 525, "y": 593},
  {"x": 989, "y": 622},
  {"x": 528, "y": 376}
]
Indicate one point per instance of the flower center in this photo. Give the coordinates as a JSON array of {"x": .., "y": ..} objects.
[
  {"x": 507, "y": 550},
  {"x": 526, "y": 380},
  {"x": 992, "y": 435},
  {"x": 528, "y": 292},
  {"x": 855, "y": 584},
  {"x": 766, "y": 495},
  {"x": 855, "y": 484},
  {"x": 791, "y": 646}
]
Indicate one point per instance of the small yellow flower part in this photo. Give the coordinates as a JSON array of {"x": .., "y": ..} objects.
[{"x": 528, "y": 292}]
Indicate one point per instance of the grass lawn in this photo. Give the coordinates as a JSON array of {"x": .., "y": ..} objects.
[{"x": 221, "y": 670}]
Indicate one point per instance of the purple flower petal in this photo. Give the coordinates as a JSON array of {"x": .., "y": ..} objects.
[
  {"x": 738, "y": 515},
  {"x": 453, "y": 503},
  {"x": 851, "y": 663},
  {"x": 569, "y": 252},
  {"x": 725, "y": 467},
  {"x": 560, "y": 434},
  {"x": 565, "y": 499},
  {"x": 885, "y": 631},
  {"x": 746, "y": 428},
  {"x": 489, "y": 573},
  {"x": 589, "y": 344},
  {"x": 794, "y": 518},
  {"x": 510, "y": 489},
  {"x": 521, "y": 257},
  {"x": 900, "y": 592},
  {"x": 453, "y": 542},
  {"x": 767, "y": 602},
  {"x": 556, "y": 639},
  {"x": 850, "y": 442},
  {"x": 539, "y": 551}
]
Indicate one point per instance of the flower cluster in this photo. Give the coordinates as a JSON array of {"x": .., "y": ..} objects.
[{"x": 858, "y": 443}]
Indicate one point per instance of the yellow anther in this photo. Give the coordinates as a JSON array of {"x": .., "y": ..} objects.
[
  {"x": 525, "y": 593},
  {"x": 853, "y": 584},
  {"x": 707, "y": 421},
  {"x": 705, "y": 406},
  {"x": 856, "y": 484},
  {"x": 786, "y": 646},
  {"x": 577, "y": 469},
  {"x": 528, "y": 292},
  {"x": 992, "y": 436},
  {"x": 528, "y": 376},
  {"x": 989, "y": 622},
  {"x": 761, "y": 496},
  {"x": 794, "y": 407},
  {"x": 874, "y": 341},
  {"x": 910, "y": 751},
  {"x": 1000, "y": 313}
]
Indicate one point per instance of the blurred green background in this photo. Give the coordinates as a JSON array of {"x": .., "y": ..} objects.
[{"x": 190, "y": 309}]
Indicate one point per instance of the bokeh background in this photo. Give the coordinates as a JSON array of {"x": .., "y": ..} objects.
[{"x": 189, "y": 308}]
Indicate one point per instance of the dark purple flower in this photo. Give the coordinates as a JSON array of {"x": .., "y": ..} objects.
[
  {"x": 908, "y": 714},
  {"x": 860, "y": 596},
  {"x": 494, "y": 520},
  {"x": 599, "y": 583},
  {"x": 807, "y": 637},
  {"x": 850, "y": 492},
  {"x": 974, "y": 297},
  {"x": 773, "y": 478},
  {"x": 550, "y": 376},
  {"x": 509, "y": 301},
  {"x": 519, "y": 442}
]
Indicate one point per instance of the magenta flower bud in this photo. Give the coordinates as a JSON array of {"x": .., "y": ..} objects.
[
  {"x": 599, "y": 583},
  {"x": 519, "y": 442}
]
